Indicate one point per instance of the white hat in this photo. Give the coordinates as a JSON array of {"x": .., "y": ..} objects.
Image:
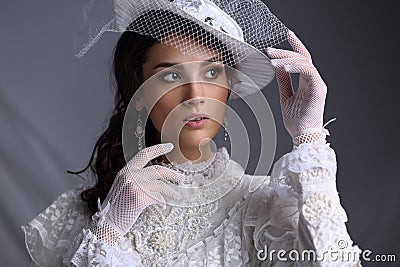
[{"x": 246, "y": 28}]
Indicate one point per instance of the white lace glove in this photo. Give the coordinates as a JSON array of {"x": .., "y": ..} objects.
[
  {"x": 134, "y": 189},
  {"x": 302, "y": 110}
]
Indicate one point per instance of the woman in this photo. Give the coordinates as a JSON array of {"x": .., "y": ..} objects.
[{"x": 193, "y": 206}]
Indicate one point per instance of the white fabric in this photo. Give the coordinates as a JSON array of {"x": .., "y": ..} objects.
[{"x": 299, "y": 209}]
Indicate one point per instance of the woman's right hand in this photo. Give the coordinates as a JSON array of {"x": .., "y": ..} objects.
[{"x": 135, "y": 187}]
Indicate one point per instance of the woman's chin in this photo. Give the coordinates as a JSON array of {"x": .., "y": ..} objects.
[
  {"x": 194, "y": 143},
  {"x": 195, "y": 139}
]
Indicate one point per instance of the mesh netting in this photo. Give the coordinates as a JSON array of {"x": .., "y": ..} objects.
[
  {"x": 307, "y": 138},
  {"x": 237, "y": 28}
]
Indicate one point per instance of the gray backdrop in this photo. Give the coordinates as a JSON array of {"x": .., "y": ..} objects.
[{"x": 53, "y": 107}]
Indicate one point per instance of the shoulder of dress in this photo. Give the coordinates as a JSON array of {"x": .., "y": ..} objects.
[
  {"x": 72, "y": 195},
  {"x": 69, "y": 202}
]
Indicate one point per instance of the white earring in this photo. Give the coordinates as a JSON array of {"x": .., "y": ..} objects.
[
  {"x": 225, "y": 125},
  {"x": 139, "y": 133}
]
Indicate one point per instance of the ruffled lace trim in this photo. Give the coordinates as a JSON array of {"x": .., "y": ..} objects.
[
  {"x": 49, "y": 235},
  {"x": 309, "y": 167}
]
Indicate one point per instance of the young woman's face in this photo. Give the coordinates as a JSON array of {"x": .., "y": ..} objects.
[{"x": 187, "y": 94}]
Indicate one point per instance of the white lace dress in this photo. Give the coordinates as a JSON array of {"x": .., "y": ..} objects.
[{"x": 296, "y": 210}]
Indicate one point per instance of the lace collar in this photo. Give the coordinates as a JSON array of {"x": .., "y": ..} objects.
[
  {"x": 199, "y": 173},
  {"x": 207, "y": 181}
]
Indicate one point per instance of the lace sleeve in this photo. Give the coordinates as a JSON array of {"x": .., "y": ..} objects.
[
  {"x": 306, "y": 179},
  {"x": 58, "y": 237},
  {"x": 87, "y": 250},
  {"x": 50, "y": 234}
]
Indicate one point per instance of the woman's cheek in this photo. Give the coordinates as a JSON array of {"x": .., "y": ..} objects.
[{"x": 160, "y": 113}]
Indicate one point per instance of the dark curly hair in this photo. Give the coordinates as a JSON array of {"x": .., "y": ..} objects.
[
  {"x": 130, "y": 53},
  {"x": 107, "y": 157}
]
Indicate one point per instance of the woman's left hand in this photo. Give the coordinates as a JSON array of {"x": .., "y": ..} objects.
[{"x": 302, "y": 109}]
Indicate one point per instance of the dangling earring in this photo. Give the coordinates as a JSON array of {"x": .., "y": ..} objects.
[
  {"x": 139, "y": 132},
  {"x": 225, "y": 124}
]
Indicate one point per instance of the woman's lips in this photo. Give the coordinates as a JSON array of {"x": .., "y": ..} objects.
[
  {"x": 197, "y": 120},
  {"x": 197, "y": 123}
]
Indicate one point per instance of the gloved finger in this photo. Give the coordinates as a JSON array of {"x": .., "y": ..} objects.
[
  {"x": 275, "y": 53},
  {"x": 307, "y": 70},
  {"x": 308, "y": 74},
  {"x": 158, "y": 172},
  {"x": 297, "y": 45},
  {"x": 302, "y": 66},
  {"x": 150, "y": 189},
  {"x": 158, "y": 199},
  {"x": 147, "y": 154},
  {"x": 165, "y": 189},
  {"x": 284, "y": 84},
  {"x": 280, "y": 62},
  {"x": 284, "y": 81}
]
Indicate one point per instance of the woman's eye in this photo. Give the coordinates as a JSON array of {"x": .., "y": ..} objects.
[
  {"x": 171, "y": 77},
  {"x": 213, "y": 73}
]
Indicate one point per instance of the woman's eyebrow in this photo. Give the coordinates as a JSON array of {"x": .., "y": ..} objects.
[
  {"x": 211, "y": 60},
  {"x": 179, "y": 65},
  {"x": 167, "y": 65}
]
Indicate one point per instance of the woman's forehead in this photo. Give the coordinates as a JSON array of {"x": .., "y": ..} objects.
[{"x": 176, "y": 53}]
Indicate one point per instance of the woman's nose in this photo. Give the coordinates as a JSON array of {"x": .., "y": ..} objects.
[
  {"x": 198, "y": 101},
  {"x": 194, "y": 94}
]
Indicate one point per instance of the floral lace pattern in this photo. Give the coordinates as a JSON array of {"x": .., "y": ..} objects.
[
  {"x": 208, "y": 12},
  {"x": 159, "y": 235},
  {"x": 325, "y": 220},
  {"x": 191, "y": 6},
  {"x": 319, "y": 208},
  {"x": 308, "y": 164}
]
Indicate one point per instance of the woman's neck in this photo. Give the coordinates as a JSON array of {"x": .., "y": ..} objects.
[{"x": 194, "y": 154}]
